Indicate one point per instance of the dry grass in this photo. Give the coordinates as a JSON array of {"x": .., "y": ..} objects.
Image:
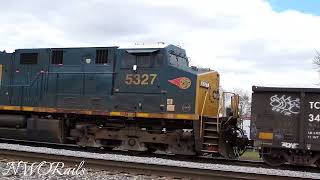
[{"x": 250, "y": 155}]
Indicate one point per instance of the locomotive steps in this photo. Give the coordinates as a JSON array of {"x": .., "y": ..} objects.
[{"x": 210, "y": 136}]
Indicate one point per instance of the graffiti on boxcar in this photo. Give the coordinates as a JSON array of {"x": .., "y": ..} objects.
[
  {"x": 285, "y": 105},
  {"x": 289, "y": 145}
]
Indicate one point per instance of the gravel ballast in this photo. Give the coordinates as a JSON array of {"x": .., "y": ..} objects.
[{"x": 154, "y": 160}]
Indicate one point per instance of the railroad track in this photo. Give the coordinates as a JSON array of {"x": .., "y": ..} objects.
[
  {"x": 200, "y": 159},
  {"x": 178, "y": 172}
]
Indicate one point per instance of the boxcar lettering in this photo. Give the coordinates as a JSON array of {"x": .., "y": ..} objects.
[
  {"x": 313, "y": 135},
  {"x": 314, "y": 105},
  {"x": 140, "y": 79},
  {"x": 285, "y": 105},
  {"x": 289, "y": 145},
  {"x": 313, "y": 118},
  {"x": 314, "y": 132}
]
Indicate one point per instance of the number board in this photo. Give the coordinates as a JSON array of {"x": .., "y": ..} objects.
[{"x": 140, "y": 79}]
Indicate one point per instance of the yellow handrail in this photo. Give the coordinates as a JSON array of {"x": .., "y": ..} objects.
[{"x": 204, "y": 103}]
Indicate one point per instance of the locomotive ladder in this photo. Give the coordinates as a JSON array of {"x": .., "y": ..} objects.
[{"x": 210, "y": 135}]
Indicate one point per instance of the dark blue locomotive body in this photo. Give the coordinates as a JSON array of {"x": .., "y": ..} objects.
[
  {"x": 96, "y": 79},
  {"x": 135, "y": 99}
]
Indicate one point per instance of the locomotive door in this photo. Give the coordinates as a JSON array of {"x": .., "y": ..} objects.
[
  {"x": 97, "y": 75},
  {"x": 138, "y": 79},
  {"x": 26, "y": 77}
]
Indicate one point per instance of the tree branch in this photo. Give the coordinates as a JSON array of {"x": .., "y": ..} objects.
[{"x": 316, "y": 59}]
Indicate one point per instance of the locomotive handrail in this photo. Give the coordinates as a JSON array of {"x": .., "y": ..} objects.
[
  {"x": 25, "y": 85},
  {"x": 201, "y": 115},
  {"x": 38, "y": 75},
  {"x": 81, "y": 73},
  {"x": 234, "y": 103}
]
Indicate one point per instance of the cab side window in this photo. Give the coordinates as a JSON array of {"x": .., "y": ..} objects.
[
  {"x": 29, "y": 58},
  {"x": 144, "y": 60},
  {"x": 178, "y": 61},
  {"x": 173, "y": 59},
  {"x": 158, "y": 60},
  {"x": 128, "y": 60}
]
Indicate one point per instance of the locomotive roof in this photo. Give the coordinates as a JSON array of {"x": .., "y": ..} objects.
[
  {"x": 146, "y": 46},
  {"x": 161, "y": 46},
  {"x": 69, "y": 48}
]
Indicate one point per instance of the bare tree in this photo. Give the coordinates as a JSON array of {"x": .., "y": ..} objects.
[
  {"x": 316, "y": 59},
  {"x": 244, "y": 103},
  {"x": 316, "y": 62}
]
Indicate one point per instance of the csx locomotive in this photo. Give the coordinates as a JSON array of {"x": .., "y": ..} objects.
[{"x": 136, "y": 99}]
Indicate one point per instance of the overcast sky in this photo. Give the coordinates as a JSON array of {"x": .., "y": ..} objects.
[{"x": 250, "y": 42}]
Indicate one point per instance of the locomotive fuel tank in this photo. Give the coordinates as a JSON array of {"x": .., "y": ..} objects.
[
  {"x": 13, "y": 121},
  {"x": 32, "y": 129}
]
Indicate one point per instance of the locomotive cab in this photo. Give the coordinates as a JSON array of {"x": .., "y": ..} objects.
[
  {"x": 160, "y": 80},
  {"x": 159, "y": 83}
]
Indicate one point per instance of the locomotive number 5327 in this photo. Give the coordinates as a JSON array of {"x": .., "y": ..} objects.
[{"x": 140, "y": 79}]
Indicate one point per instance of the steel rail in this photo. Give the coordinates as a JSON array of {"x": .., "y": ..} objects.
[
  {"x": 196, "y": 159},
  {"x": 137, "y": 168}
]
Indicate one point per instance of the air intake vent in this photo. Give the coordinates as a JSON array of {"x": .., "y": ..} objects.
[
  {"x": 28, "y": 58},
  {"x": 57, "y": 57},
  {"x": 102, "y": 56}
]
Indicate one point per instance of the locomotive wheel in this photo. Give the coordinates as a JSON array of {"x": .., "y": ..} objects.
[{"x": 272, "y": 160}]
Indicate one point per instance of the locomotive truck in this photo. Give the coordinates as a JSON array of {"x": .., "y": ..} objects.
[{"x": 135, "y": 99}]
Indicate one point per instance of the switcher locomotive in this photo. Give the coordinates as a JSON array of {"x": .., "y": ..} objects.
[{"x": 136, "y": 99}]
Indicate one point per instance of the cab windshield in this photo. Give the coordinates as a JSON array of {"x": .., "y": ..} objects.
[{"x": 142, "y": 59}]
